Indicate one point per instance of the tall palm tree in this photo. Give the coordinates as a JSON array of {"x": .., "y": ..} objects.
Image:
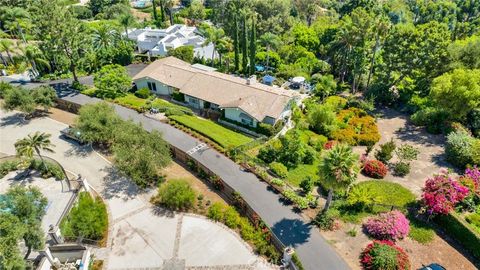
[
  {"x": 224, "y": 45},
  {"x": 126, "y": 20},
  {"x": 338, "y": 170},
  {"x": 7, "y": 47},
  {"x": 34, "y": 143},
  {"x": 270, "y": 41}
]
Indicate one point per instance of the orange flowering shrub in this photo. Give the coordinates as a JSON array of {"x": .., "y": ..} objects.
[{"x": 357, "y": 128}]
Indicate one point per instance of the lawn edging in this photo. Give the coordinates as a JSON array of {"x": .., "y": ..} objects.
[{"x": 454, "y": 226}]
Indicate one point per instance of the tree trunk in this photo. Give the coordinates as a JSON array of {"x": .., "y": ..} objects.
[
  {"x": 73, "y": 69},
  {"x": 170, "y": 14},
  {"x": 3, "y": 60},
  {"x": 372, "y": 62},
  {"x": 43, "y": 161},
  {"x": 329, "y": 201},
  {"x": 29, "y": 250},
  {"x": 268, "y": 56},
  {"x": 9, "y": 56},
  {"x": 213, "y": 55}
]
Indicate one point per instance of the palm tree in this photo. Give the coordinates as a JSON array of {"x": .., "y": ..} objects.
[
  {"x": 126, "y": 20},
  {"x": 104, "y": 37},
  {"x": 213, "y": 35},
  {"x": 7, "y": 47},
  {"x": 225, "y": 45},
  {"x": 338, "y": 170},
  {"x": 36, "y": 58},
  {"x": 270, "y": 41},
  {"x": 33, "y": 143}
]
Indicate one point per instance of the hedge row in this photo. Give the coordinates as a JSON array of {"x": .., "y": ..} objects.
[{"x": 460, "y": 230}]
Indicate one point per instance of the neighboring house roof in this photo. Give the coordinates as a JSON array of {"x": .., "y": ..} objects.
[{"x": 227, "y": 91}]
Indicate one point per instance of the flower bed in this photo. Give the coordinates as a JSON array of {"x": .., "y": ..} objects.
[
  {"x": 381, "y": 255},
  {"x": 388, "y": 226}
]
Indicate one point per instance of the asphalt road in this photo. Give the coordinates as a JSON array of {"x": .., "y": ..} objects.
[{"x": 312, "y": 249}]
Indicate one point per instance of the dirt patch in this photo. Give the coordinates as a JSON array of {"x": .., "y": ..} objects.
[
  {"x": 438, "y": 251},
  {"x": 62, "y": 116},
  {"x": 140, "y": 15}
]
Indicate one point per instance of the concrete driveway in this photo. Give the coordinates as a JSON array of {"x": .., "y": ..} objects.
[{"x": 141, "y": 236}]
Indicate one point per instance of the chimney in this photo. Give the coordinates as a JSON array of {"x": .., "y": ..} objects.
[{"x": 252, "y": 80}]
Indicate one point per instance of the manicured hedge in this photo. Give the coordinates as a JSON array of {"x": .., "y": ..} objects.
[{"x": 460, "y": 230}]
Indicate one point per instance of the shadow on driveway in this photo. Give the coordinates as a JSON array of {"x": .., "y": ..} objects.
[
  {"x": 118, "y": 186},
  {"x": 292, "y": 231},
  {"x": 14, "y": 120}
]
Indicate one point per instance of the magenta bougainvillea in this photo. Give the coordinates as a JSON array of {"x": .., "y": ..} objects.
[
  {"x": 474, "y": 174},
  {"x": 392, "y": 225},
  {"x": 441, "y": 193},
  {"x": 380, "y": 255},
  {"x": 375, "y": 169}
]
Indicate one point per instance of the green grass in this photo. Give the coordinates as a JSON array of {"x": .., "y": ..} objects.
[
  {"x": 301, "y": 172},
  {"x": 225, "y": 137},
  {"x": 131, "y": 101},
  {"x": 170, "y": 108},
  {"x": 420, "y": 231}
]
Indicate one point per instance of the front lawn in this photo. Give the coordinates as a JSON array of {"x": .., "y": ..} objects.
[
  {"x": 296, "y": 175},
  {"x": 225, "y": 137},
  {"x": 131, "y": 101}
]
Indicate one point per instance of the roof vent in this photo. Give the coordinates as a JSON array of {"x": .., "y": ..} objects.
[{"x": 252, "y": 80}]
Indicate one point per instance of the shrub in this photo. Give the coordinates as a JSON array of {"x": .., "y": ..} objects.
[
  {"x": 277, "y": 182},
  {"x": 307, "y": 184},
  {"x": 375, "y": 169},
  {"x": 441, "y": 193},
  {"x": 456, "y": 227},
  {"x": 215, "y": 211},
  {"x": 231, "y": 217},
  {"x": 112, "y": 81},
  {"x": 432, "y": 118},
  {"x": 357, "y": 128},
  {"x": 176, "y": 95},
  {"x": 176, "y": 195},
  {"x": 385, "y": 153},
  {"x": 335, "y": 102},
  {"x": 88, "y": 219},
  {"x": 53, "y": 170},
  {"x": 401, "y": 168},
  {"x": 461, "y": 149},
  {"x": 322, "y": 120},
  {"x": 474, "y": 219},
  {"x": 317, "y": 142},
  {"x": 473, "y": 122},
  {"x": 388, "y": 226},
  {"x": 382, "y": 255},
  {"x": 329, "y": 145},
  {"x": 8, "y": 166},
  {"x": 279, "y": 169},
  {"x": 143, "y": 93},
  {"x": 325, "y": 221}
]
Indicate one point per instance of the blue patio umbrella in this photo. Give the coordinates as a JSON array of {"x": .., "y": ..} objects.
[{"x": 267, "y": 79}]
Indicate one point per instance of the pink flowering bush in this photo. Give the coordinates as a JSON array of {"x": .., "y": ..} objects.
[
  {"x": 474, "y": 174},
  {"x": 441, "y": 193},
  {"x": 392, "y": 225}
]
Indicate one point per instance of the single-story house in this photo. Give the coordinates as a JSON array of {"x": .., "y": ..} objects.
[{"x": 245, "y": 101}]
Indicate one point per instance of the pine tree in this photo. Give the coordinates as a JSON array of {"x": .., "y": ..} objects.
[
  {"x": 235, "y": 44},
  {"x": 252, "y": 47},
  {"x": 244, "y": 47}
]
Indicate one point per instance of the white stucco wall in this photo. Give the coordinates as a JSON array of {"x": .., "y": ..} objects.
[
  {"x": 162, "y": 89},
  {"x": 234, "y": 114}
]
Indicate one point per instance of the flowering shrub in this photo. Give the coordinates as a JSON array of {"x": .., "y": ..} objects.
[
  {"x": 380, "y": 255},
  {"x": 441, "y": 193},
  {"x": 328, "y": 145},
  {"x": 375, "y": 169},
  {"x": 388, "y": 226},
  {"x": 474, "y": 174},
  {"x": 357, "y": 128}
]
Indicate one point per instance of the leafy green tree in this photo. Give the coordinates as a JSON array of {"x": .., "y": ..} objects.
[
  {"x": 184, "y": 53},
  {"x": 196, "y": 11},
  {"x": 325, "y": 86},
  {"x": 99, "y": 6},
  {"x": 213, "y": 35},
  {"x": 18, "y": 98},
  {"x": 112, "y": 81},
  {"x": 97, "y": 123},
  {"x": 224, "y": 46},
  {"x": 244, "y": 46},
  {"x": 44, "y": 96},
  {"x": 465, "y": 53},
  {"x": 88, "y": 219},
  {"x": 457, "y": 91},
  {"x": 34, "y": 143},
  {"x": 176, "y": 195},
  {"x": 338, "y": 169},
  {"x": 126, "y": 21},
  {"x": 236, "y": 45},
  {"x": 28, "y": 205},
  {"x": 11, "y": 233},
  {"x": 253, "y": 40},
  {"x": 322, "y": 119},
  {"x": 270, "y": 41}
]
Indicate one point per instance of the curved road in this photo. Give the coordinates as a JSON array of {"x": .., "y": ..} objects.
[{"x": 312, "y": 249}]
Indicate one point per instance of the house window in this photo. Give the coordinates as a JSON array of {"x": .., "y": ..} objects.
[
  {"x": 152, "y": 86},
  {"x": 245, "y": 119}
]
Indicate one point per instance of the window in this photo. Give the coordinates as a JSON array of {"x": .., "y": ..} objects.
[
  {"x": 152, "y": 86},
  {"x": 247, "y": 120}
]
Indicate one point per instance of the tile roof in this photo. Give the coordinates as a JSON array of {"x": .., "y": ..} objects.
[{"x": 227, "y": 91}]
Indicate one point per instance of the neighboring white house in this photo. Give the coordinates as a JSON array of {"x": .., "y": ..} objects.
[
  {"x": 159, "y": 41},
  {"x": 244, "y": 101}
]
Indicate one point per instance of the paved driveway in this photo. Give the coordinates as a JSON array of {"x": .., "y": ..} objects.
[{"x": 141, "y": 235}]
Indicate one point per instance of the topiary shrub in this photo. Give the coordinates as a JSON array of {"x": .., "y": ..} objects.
[
  {"x": 383, "y": 255},
  {"x": 441, "y": 193},
  {"x": 176, "y": 195},
  {"x": 279, "y": 169},
  {"x": 143, "y": 93},
  {"x": 392, "y": 225},
  {"x": 375, "y": 169},
  {"x": 307, "y": 184},
  {"x": 385, "y": 153},
  {"x": 462, "y": 149},
  {"x": 401, "y": 168}
]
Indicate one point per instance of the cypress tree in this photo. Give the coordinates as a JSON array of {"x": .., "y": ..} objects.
[
  {"x": 252, "y": 47},
  {"x": 244, "y": 47},
  {"x": 235, "y": 44},
  {"x": 154, "y": 6}
]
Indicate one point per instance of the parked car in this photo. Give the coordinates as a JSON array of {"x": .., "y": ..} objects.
[
  {"x": 433, "y": 266},
  {"x": 73, "y": 134}
]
